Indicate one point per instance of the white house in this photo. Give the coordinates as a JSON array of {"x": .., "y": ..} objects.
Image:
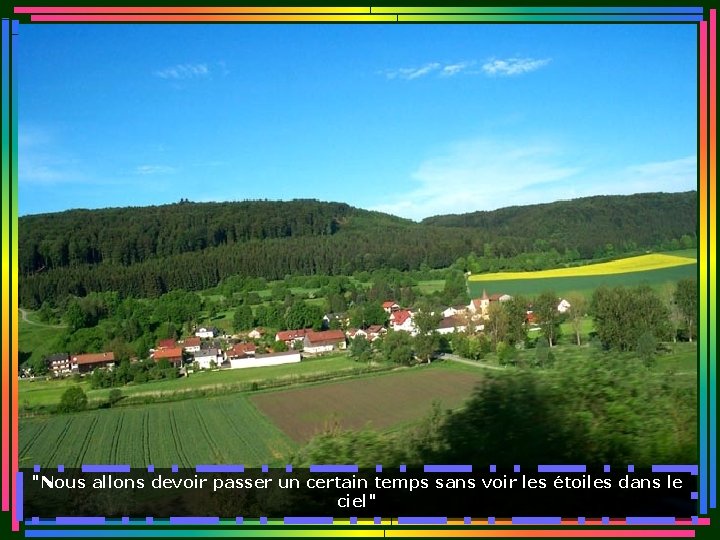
[
  {"x": 262, "y": 360},
  {"x": 191, "y": 344},
  {"x": 257, "y": 333},
  {"x": 206, "y": 333},
  {"x": 320, "y": 342},
  {"x": 402, "y": 320},
  {"x": 448, "y": 325},
  {"x": 563, "y": 306},
  {"x": 208, "y": 358}
]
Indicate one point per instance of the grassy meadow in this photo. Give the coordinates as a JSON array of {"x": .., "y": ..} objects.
[{"x": 656, "y": 270}]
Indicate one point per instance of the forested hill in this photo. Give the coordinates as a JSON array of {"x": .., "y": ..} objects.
[
  {"x": 131, "y": 235},
  {"x": 144, "y": 252},
  {"x": 584, "y": 224}
]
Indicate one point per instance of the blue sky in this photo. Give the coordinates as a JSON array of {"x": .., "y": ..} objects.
[{"x": 415, "y": 120}]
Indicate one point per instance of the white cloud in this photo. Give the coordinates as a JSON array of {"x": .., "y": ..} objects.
[
  {"x": 485, "y": 174},
  {"x": 453, "y": 69},
  {"x": 40, "y": 161},
  {"x": 154, "y": 169},
  {"x": 412, "y": 72},
  {"x": 184, "y": 71},
  {"x": 513, "y": 66},
  {"x": 479, "y": 175}
]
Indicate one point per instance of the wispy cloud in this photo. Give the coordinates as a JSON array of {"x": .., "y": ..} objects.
[
  {"x": 453, "y": 69},
  {"x": 481, "y": 174},
  {"x": 154, "y": 169},
  {"x": 513, "y": 66},
  {"x": 431, "y": 68},
  {"x": 40, "y": 161},
  {"x": 184, "y": 71},
  {"x": 485, "y": 174}
]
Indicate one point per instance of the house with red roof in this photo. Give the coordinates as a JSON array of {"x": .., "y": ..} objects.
[
  {"x": 390, "y": 306},
  {"x": 173, "y": 355},
  {"x": 85, "y": 363},
  {"x": 291, "y": 336},
  {"x": 320, "y": 342},
  {"x": 192, "y": 344},
  {"x": 402, "y": 320},
  {"x": 167, "y": 344}
]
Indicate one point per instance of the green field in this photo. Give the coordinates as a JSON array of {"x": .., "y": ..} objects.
[
  {"x": 42, "y": 392},
  {"x": 231, "y": 428},
  {"x": 582, "y": 284},
  {"x": 36, "y": 340},
  {"x": 227, "y": 429}
]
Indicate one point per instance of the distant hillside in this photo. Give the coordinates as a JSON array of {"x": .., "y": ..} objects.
[
  {"x": 144, "y": 252},
  {"x": 588, "y": 223}
]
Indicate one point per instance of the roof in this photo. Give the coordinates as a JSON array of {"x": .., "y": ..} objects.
[
  {"x": 241, "y": 349},
  {"x": 167, "y": 344},
  {"x": 375, "y": 329},
  {"x": 449, "y": 322},
  {"x": 327, "y": 335},
  {"x": 389, "y": 303},
  {"x": 192, "y": 341},
  {"x": 286, "y": 335},
  {"x": 206, "y": 352},
  {"x": 175, "y": 352},
  {"x": 94, "y": 358},
  {"x": 400, "y": 316},
  {"x": 58, "y": 357}
]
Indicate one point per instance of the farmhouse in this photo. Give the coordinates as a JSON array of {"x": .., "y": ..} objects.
[
  {"x": 208, "y": 358},
  {"x": 402, "y": 320},
  {"x": 85, "y": 363},
  {"x": 480, "y": 306},
  {"x": 375, "y": 331},
  {"x": 291, "y": 336},
  {"x": 353, "y": 333},
  {"x": 563, "y": 306},
  {"x": 257, "y": 333},
  {"x": 173, "y": 355},
  {"x": 448, "y": 325},
  {"x": 192, "y": 344},
  {"x": 240, "y": 350},
  {"x": 207, "y": 333},
  {"x": 263, "y": 360},
  {"x": 320, "y": 342},
  {"x": 390, "y": 306},
  {"x": 166, "y": 344},
  {"x": 59, "y": 364}
]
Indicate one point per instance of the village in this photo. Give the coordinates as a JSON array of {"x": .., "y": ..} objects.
[{"x": 210, "y": 348}]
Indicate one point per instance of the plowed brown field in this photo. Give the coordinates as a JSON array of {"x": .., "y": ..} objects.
[{"x": 380, "y": 402}]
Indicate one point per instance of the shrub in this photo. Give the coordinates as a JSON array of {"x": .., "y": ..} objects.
[{"x": 73, "y": 400}]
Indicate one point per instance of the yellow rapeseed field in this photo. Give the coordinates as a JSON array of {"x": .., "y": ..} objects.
[{"x": 641, "y": 263}]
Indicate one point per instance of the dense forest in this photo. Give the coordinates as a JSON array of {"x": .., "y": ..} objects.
[
  {"x": 145, "y": 252},
  {"x": 583, "y": 224}
]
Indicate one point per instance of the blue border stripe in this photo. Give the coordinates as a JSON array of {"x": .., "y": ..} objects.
[
  {"x": 333, "y": 468},
  {"x": 19, "y": 496},
  {"x": 422, "y": 520},
  {"x": 662, "y": 520},
  {"x": 194, "y": 520},
  {"x": 535, "y": 520},
  {"x": 308, "y": 521},
  {"x": 692, "y": 469},
  {"x": 220, "y": 468},
  {"x": 448, "y": 468},
  {"x": 105, "y": 468},
  {"x": 561, "y": 468}
]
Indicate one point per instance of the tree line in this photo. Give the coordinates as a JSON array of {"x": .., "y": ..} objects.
[{"x": 145, "y": 252}]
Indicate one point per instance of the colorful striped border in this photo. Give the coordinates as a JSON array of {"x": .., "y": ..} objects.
[{"x": 707, "y": 148}]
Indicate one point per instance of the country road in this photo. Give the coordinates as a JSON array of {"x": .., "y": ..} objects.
[
  {"x": 24, "y": 316},
  {"x": 455, "y": 358}
]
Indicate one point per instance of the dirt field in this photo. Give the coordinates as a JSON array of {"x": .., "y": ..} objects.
[{"x": 379, "y": 402}]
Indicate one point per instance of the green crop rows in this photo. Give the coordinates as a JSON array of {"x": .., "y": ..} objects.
[{"x": 227, "y": 429}]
